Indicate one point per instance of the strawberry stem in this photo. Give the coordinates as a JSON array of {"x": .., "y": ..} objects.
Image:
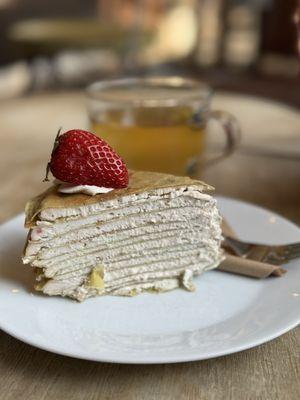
[
  {"x": 46, "y": 179},
  {"x": 55, "y": 144}
]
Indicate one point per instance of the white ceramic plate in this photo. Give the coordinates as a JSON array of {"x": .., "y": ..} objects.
[{"x": 226, "y": 314}]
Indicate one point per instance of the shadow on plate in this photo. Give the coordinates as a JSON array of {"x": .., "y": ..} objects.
[{"x": 11, "y": 266}]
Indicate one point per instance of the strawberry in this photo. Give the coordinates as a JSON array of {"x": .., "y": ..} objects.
[{"x": 81, "y": 158}]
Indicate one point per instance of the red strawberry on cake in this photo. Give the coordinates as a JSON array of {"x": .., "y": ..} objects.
[{"x": 81, "y": 158}]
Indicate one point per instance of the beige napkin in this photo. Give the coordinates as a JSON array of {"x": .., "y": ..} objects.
[
  {"x": 244, "y": 266},
  {"x": 255, "y": 269}
]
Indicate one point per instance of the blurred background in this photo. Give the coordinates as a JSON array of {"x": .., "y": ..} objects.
[
  {"x": 245, "y": 49},
  {"x": 67, "y": 44}
]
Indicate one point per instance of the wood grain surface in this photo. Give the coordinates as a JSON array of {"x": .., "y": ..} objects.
[{"x": 270, "y": 371}]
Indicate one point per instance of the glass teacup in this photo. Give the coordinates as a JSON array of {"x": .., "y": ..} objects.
[{"x": 158, "y": 124}]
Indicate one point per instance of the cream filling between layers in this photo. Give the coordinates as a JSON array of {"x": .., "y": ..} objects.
[
  {"x": 93, "y": 240},
  {"x": 51, "y": 236},
  {"x": 46, "y": 230},
  {"x": 103, "y": 243},
  {"x": 54, "y": 214},
  {"x": 68, "y": 248}
]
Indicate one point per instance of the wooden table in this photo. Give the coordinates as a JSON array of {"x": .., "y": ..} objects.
[{"x": 270, "y": 371}]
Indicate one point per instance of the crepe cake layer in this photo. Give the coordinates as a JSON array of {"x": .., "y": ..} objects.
[{"x": 154, "y": 235}]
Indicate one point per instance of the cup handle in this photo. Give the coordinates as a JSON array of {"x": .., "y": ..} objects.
[{"x": 232, "y": 131}]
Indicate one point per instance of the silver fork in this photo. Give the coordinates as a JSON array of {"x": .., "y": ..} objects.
[{"x": 276, "y": 255}]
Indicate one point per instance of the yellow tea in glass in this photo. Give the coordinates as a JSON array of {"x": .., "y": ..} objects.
[{"x": 155, "y": 124}]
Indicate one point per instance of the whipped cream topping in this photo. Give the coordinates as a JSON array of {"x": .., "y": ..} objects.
[{"x": 84, "y": 189}]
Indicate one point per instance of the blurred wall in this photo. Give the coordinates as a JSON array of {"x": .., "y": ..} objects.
[
  {"x": 17, "y": 10},
  {"x": 278, "y": 29}
]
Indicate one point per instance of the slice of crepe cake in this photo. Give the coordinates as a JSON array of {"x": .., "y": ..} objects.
[{"x": 155, "y": 234}]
